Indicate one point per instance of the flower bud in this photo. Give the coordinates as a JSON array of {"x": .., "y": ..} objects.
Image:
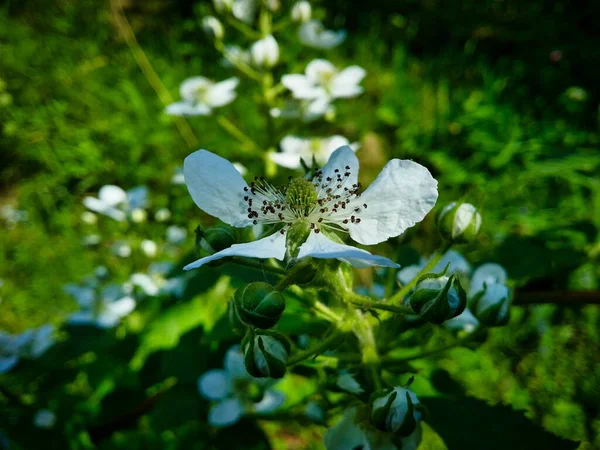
[
  {"x": 491, "y": 306},
  {"x": 213, "y": 28},
  {"x": 272, "y": 5},
  {"x": 265, "y": 52},
  {"x": 216, "y": 238},
  {"x": 223, "y": 5},
  {"x": 265, "y": 355},
  {"x": 259, "y": 304},
  {"x": 301, "y": 12},
  {"x": 395, "y": 410},
  {"x": 459, "y": 222},
  {"x": 438, "y": 297}
]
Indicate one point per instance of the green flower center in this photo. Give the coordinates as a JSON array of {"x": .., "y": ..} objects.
[{"x": 301, "y": 195}]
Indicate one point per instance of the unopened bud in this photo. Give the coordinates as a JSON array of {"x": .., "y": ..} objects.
[
  {"x": 492, "y": 305},
  {"x": 223, "y": 5},
  {"x": 459, "y": 222},
  {"x": 265, "y": 52},
  {"x": 216, "y": 238},
  {"x": 265, "y": 355},
  {"x": 396, "y": 410},
  {"x": 301, "y": 12},
  {"x": 213, "y": 28},
  {"x": 259, "y": 304},
  {"x": 438, "y": 297}
]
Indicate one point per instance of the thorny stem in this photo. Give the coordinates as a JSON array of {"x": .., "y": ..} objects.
[{"x": 399, "y": 296}]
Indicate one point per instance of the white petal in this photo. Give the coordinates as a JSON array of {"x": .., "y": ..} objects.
[
  {"x": 100, "y": 207},
  {"x": 81, "y": 318},
  {"x": 115, "y": 311},
  {"x": 145, "y": 283},
  {"x": 287, "y": 160},
  {"x": 402, "y": 195},
  {"x": 464, "y": 321},
  {"x": 458, "y": 264},
  {"x": 234, "y": 363},
  {"x": 137, "y": 197},
  {"x": 318, "y": 107},
  {"x": 270, "y": 247},
  {"x": 83, "y": 295},
  {"x": 345, "y": 434},
  {"x": 225, "y": 413},
  {"x": 112, "y": 195},
  {"x": 340, "y": 159},
  {"x": 270, "y": 402},
  {"x": 319, "y": 246},
  {"x": 8, "y": 362},
  {"x": 346, "y": 83},
  {"x": 187, "y": 109},
  {"x": 216, "y": 187},
  {"x": 222, "y": 93},
  {"x": 329, "y": 39},
  {"x": 489, "y": 273},
  {"x": 295, "y": 145},
  {"x": 188, "y": 88},
  {"x": 301, "y": 87},
  {"x": 214, "y": 384},
  {"x": 317, "y": 68},
  {"x": 42, "y": 341}
]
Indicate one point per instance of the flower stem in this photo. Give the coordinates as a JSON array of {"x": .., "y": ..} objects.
[
  {"x": 232, "y": 129},
  {"x": 367, "y": 303},
  {"x": 243, "y": 28},
  {"x": 399, "y": 296},
  {"x": 317, "y": 349}
]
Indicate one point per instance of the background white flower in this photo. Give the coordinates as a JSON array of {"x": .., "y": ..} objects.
[
  {"x": 293, "y": 148},
  {"x": 230, "y": 389},
  {"x": 314, "y": 34},
  {"x": 201, "y": 95},
  {"x": 458, "y": 264},
  {"x": 301, "y": 11},
  {"x": 116, "y": 203},
  {"x": 265, "y": 52},
  {"x": 323, "y": 81},
  {"x": 403, "y": 193},
  {"x": 104, "y": 309}
]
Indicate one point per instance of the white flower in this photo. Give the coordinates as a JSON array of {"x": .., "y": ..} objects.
[
  {"x": 458, "y": 264},
  {"x": 348, "y": 383},
  {"x": 44, "y": 418},
  {"x": 230, "y": 389},
  {"x": 162, "y": 215},
  {"x": 201, "y": 95},
  {"x": 313, "y": 34},
  {"x": 213, "y": 27},
  {"x": 104, "y": 310},
  {"x": 114, "y": 202},
  {"x": 245, "y": 10},
  {"x": 176, "y": 235},
  {"x": 31, "y": 343},
  {"x": 301, "y": 11},
  {"x": 294, "y": 148},
  {"x": 403, "y": 193},
  {"x": 149, "y": 248},
  {"x": 265, "y": 52},
  {"x": 354, "y": 431},
  {"x": 235, "y": 55},
  {"x": 323, "y": 82},
  {"x": 145, "y": 283},
  {"x": 121, "y": 249},
  {"x": 487, "y": 274}
]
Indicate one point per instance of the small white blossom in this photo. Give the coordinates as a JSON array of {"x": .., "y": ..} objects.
[
  {"x": 121, "y": 249},
  {"x": 44, "y": 418},
  {"x": 307, "y": 110},
  {"x": 223, "y": 5},
  {"x": 265, "y": 52},
  {"x": 301, "y": 11},
  {"x": 294, "y": 148},
  {"x": 201, "y": 95},
  {"x": 235, "y": 55},
  {"x": 145, "y": 283},
  {"x": 322, "y": 81},
  {"x": 114, "y": 202},
  {"x": 213, "y": 27},
  {"x": 103, "y": 309},
  {"x": 403, "y": 193},
  {"x": 314, "y": 34},
  {"x": 177, "y": 177},
  {"x": 176, "y": 235},
  {"x": 162, "y": 215},
  {"x": 229, "y": 388},
  {"x": 149, "y": 248},
  {"x": 245, "y": 10}
]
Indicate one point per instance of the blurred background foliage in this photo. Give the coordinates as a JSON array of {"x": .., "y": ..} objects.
[{"x": 498, "y": 98}]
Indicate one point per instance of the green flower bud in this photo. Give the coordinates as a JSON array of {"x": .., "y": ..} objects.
[
  {"x": 438, "y": 297},
  {"x": 459, "y": 222},
  {"x": 216, "y": 238},
  {"x": 396, "y": 410},
  {"x": 492, "y": 305},
  {"x": 265, "y": 355},
  {"x": 213, "y": 27},
  {"x": 259, "y": 304}
]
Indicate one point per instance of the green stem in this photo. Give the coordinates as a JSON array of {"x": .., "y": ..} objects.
[
  {"x": 239, "y": 65},
  {"x": 367, "y": 303},
  {"x": 318, "y": 349},
  {"x": 232, "y": 129},
  {"x": 319, "y": 308},
  {"x": 243, "y": 28},
  {"x": 399, "y": 296},
  {"x": 375, "y": 376},
  {"x": 258, "y": 265}
]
